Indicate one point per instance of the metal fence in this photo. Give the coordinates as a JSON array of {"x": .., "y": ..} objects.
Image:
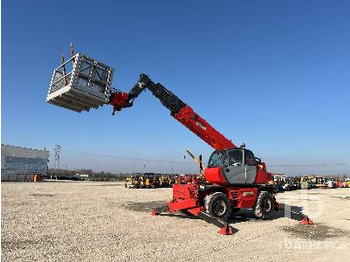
[{"x": 7, "y": 176}]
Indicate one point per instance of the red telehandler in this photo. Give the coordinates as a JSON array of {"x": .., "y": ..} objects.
[{"x": 238, "y": 180}]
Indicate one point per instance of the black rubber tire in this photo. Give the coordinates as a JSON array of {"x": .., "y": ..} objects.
[
  {"x": 264, "y": 205},
  {"x": 218, "y": 205}
]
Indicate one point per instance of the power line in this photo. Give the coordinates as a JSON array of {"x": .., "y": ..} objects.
[
  {"x": 129, "y": 158},
  {"x": 190, "y": 163},
  {"x": 307, "y": 165}
]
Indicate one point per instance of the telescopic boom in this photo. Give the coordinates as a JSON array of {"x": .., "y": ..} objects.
[{"x": 178, "y": 109}]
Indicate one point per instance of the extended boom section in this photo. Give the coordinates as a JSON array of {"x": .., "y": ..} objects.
[{"x": 178, "y": 109}]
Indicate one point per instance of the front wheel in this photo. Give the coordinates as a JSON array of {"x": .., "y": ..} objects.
[
  {"x": 264, "y": 205},
  {"x": 218, "y": 205}
]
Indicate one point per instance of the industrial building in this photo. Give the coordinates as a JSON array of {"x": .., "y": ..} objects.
[{"x": 23, "y": 164}]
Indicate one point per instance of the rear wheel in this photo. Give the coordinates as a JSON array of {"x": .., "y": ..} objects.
[
  {"x": 218, "y": 205},
  {"x": 264, "y": 205}
]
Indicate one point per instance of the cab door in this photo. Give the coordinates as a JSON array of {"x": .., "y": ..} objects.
[
  {"x": 234, "y": 169},
  {"x": 240, "y": 166},
  {"x": 250, "y": 167}
]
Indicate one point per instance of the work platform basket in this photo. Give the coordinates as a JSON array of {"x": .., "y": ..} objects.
[{"x": 80, "y": 83}]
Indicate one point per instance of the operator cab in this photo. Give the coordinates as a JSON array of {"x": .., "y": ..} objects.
[{"x": 236, "y": 165}]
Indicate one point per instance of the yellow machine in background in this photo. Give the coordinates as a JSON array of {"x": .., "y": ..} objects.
[
  {"x": 164, "y": 181},
  {"x": 128, "y": 181},
  {"x": 148, "y": 180},
  {"x": 320, "y": 182},
  {"x": 137, "y": 180}
]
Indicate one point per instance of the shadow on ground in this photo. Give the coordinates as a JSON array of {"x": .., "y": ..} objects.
[
  {"x": 293, "y": 212},
  {"x": 312, "y": 232},
  {"x": 316, "y": 232},
  {"x": 146, "y": 206}
]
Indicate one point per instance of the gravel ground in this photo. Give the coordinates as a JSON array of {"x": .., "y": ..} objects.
[{"x": 93, "y": 221}]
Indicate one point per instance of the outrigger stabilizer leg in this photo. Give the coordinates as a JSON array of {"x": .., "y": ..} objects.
[
  {"x": 298, "y": 215},
  {"x": 306, "y": 221},
  {"x": 225, "y": 228}
]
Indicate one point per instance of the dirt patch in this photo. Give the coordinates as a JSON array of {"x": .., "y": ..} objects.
[
  {"x": 42, "y": 194},
  {"x": 341, "y": 197},
  {"x": 115, "y": 185},
  {"x": 15, "y": 244},
  {"x": 314, "y": 193},
  {"x": 146, "y": 206},
  {"x": 316, "y": 231}
]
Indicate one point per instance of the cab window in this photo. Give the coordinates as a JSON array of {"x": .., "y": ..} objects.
[
  {"x": 235, "y": 158},
  {"x": 249, "y": 158},
  {"x": 216, "y": 159}
]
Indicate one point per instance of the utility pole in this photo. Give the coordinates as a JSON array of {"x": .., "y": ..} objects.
[{"x": 58, "y": 150}]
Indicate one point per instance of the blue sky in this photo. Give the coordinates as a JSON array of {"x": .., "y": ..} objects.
[{"x": 272, "y": 74}]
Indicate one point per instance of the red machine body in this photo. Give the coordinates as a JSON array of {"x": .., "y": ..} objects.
[
  {"x": 216, "y": 176},
  {"x": 185, "y": 197},
  {"x": 190, "y": 197}
]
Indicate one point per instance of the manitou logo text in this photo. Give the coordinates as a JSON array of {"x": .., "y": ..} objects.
[{"x": 250, "y": 193}]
